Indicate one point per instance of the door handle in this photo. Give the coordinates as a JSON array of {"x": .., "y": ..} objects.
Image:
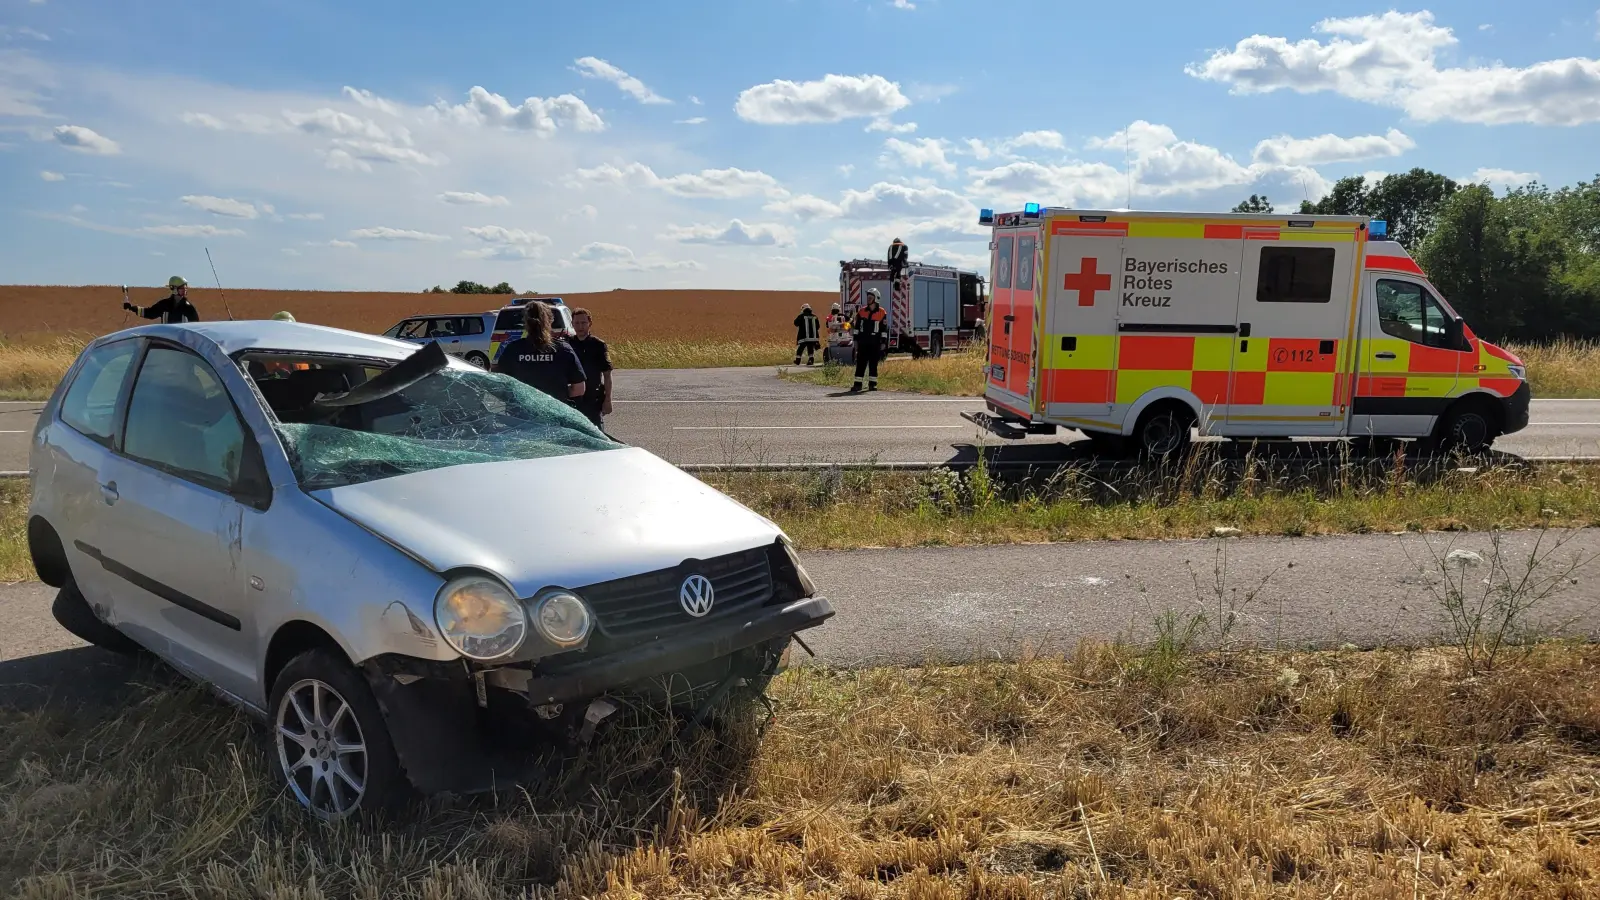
[
  {"x": 108, "y": 492},
  {"x": 1385, "y": 355}
]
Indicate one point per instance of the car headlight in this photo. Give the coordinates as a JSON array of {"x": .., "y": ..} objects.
[
  {"x": 562, "y": 618},
  {"x": 480, "y": 618},
  {"x": 807, "y": 586},
  {"x": 1519, "y": 372}
]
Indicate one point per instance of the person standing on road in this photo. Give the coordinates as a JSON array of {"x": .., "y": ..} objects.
[
  {"x": 807, "y": 335},
  {"x": 595, "y": 357},
  {"x": 539, "y": 360},
  {"x": 871, "y": 331},
  {"x": 173, "y": 309}
]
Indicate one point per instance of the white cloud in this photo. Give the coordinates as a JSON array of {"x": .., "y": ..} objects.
[
  {"x": 1502, "y": 179},
  {"x": 1330, "y": 148},
  {"x": 506, "y": 243},
  {"x": 884, "y": 200},
  {"x": 720, "y": 183},
  {"x": 1082, "y": 184},
  {"x": 473, "y": 198},
  {"x": 48, "y": 175},
  {"x": 591, "y": 67},
  {"x": 191, "y": 231},
  {"x": 832, "y": 99},
  {"x": 343, "y": 161},
  {"x": 8, "y": 32},
  {"x": 805, "y": 207},
  {"x": 585, "y": 211},
  {"x": 333, "y": 122},
  {"x": 290, "y": 251},
  {"x": 385, "y": 233},
  {"x": 1047, "y": 140},
  {"x": 379, "y": 151},
  {"x": 86, "y": 140},
  {"x": 1393, "y": 60},
  {"x": 305, "y": 217},
  {"x": 736, "y": 234},
  {"x": 536, "y": 114},
  {"x": 221, "y": 206},
  {"x": 603, "y": 255},
  {"x": 1138, "y": 138},
  {"x": 884, "y": 123},
  {"x": 697, "y": 120},
  {"x": 923, "y": 153},
  {"x": 978, "y": 149},
  {"x": 343, "y": 245},
  {"x": 371, "y": 101},
  {"x": 846, "y": 170},
  {"x": 902, "y": 4}
]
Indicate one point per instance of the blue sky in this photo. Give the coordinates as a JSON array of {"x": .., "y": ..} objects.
[{"x": 571, "y": 146}]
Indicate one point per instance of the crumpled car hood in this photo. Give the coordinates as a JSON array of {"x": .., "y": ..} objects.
[{"x": 562, "y": 521}]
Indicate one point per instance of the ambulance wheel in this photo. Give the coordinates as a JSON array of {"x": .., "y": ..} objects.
[
  {"x": 1163, "y": 432},
  {"x": 1468, "y": 427}
]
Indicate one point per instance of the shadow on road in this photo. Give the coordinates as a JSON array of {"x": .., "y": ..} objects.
[
  {"x": 82, "y": 676},
  {"x": 1081, "y": 453}
]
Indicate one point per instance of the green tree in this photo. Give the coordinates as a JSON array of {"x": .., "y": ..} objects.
[
  {"x": 1347, "y": 198},
  {"x": 469, "y": 287},
  {"x": 435, "y": 290},
  {"x": 1256, "y": 204},
  {"x": 1409, "y": 203},
  {"x": 503, "y": 287}
]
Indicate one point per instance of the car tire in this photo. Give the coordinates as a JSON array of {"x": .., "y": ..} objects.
[
  {"x": 1469, "y": 427},
  {"x": 73, "y": 613},
  {"x": 1163, "y": 433},
  {"x": 478, "y": 359},
  {"x": 331, "y": 744}
]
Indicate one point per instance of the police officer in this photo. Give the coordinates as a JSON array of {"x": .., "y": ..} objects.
[
  {"x": 595, "y": 357},
  {"x": 871, "y": 331},
  {"x": 173, "y": 309},
  {"x": 807, "y": 335},
  {"x": 541, "y": 360}
]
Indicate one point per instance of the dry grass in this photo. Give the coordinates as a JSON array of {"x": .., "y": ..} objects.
[
  {"x": 15, "y": 563},
  {"x": 845, "y": 509},
  {"x": 954, "y": 374},
  {"x": 1562, "y": 368},
  {"x": 698, "y": 354},
  {"x": 1382, "y": 774}
]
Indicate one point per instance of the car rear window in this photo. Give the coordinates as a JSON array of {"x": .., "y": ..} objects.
[{"x": 509, "y": 320}]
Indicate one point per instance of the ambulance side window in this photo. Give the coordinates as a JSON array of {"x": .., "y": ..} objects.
[
  {"x": 1002, "y": 273},
  {"x": 1407, "y": 311},
  {"x": 1295, "y": 275},
  {"x": 1025, "y": 264}
]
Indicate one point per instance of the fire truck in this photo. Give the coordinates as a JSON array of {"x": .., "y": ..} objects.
[
  {"x": 1137, "y": 328},
  {"x": 934, "y": 308}
]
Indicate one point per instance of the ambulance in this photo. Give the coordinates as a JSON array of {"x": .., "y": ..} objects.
[{"x": 1138, "y": 327}]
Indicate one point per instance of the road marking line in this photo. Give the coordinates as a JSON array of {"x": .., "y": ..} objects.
[
  {"x": 13, "y": 432},
  {"x": 1563, "y": 424},
  {"x": 803, "y": 427},
  {"x": 829, "y": 400}
]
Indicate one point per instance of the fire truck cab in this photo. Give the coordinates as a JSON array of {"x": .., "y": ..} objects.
[
  {"x": 935, "y": 308},
  {"x": 1136, "y": 327}
]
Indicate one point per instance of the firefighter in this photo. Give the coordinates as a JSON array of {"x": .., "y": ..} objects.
[
  {"x": 173, "y": 309},
  {"x": 871, "y": 332},
  {"x": 807, "y": 335},
  {"x": 897, "y": 260}
]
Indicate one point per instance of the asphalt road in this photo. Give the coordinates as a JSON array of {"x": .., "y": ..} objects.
[
  {"x": 750, "y": 416},
  {"x": 907, "y": 607}
]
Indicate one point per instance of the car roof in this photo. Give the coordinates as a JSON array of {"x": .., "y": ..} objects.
[{"x": 293, "y": 337}]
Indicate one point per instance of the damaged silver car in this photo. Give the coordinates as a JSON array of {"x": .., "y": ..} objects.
[{"x": 394, "y": 558}]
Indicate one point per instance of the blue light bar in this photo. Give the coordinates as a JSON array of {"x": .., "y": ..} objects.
[
  {"x": 985, "y": 217},
  {"x": 1378, "y": 228},
  {"x": 1031, "y": 210}
]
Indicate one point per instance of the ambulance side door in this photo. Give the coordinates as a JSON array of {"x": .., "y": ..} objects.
[
  {"x": 1409, "y": 367},
  {"x": 1295, "y": 318},
  {"x": 1079, "y": 343}
]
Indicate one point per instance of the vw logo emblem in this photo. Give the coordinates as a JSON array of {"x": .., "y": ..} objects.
[{"x": 697, "y": 595}]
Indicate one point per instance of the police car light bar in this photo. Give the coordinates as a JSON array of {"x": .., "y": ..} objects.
[
  {"x": 985, "y": 217},
  {"x": 1031, "y": 210},
  {"x": 1377, "y": 228}
]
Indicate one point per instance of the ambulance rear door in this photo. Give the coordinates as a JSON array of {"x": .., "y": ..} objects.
[
  {"x": 1296, "y": 331},
  {"x": 1014, "y": 265}
]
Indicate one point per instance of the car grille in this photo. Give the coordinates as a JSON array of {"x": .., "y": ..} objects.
[{"x": 642, "y": 607}]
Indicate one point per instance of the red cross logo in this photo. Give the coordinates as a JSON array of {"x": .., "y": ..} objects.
[{"x": 1087, "y": 281}]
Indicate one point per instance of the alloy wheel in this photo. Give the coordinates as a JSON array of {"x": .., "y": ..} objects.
[{"x": 321, "y": 749}]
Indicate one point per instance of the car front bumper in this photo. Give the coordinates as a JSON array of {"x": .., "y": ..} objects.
[
  {"x": 1514, "y": 409},
  {"x": 592, "y": 678}
]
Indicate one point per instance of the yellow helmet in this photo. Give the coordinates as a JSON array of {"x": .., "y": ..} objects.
[
  {"x": 282, "y": 316},
  {"x": 176, "y": 281}
]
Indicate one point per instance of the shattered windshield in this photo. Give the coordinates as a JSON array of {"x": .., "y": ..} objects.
[{"x": 450, "y": 418}]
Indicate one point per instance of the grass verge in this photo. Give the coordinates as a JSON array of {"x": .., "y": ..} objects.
[
  {"x": 1561, "y": 368},
  {"x": 852, "y": 508},
  {"x": 1384, "y": 774},
  {"x": 30, "y": 369},
  {"x": 841, "y": 509}
]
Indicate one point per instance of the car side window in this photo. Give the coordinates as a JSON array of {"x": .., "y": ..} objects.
[
  {"x": 1407, "y": 311},
  {"x": 414, "y": 328},
  {"x": 180, "y": 420},
  {"x": 470, "y": 325},
  {"x": 90, "y": 404}
]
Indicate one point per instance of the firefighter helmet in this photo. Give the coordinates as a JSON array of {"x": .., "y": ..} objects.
[
  {"x": 176, "y": 281},
  {"x": 282, "y": 315}
]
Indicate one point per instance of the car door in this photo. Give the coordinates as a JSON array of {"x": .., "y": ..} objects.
[
  {"x": 172, "y": 530},
  {"x": 77, "y": 447},
  {"x": 1410, "y": 361}
]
